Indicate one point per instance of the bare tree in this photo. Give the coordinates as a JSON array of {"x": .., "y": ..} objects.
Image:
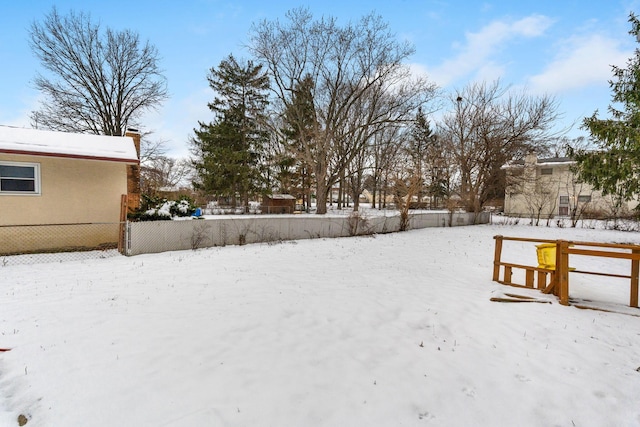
[
  {"x": 386, "y": 150},
  {"x": 578, "y": 194},
  {"x": 488, "y": 126},
  {"x": 538, "y": 193},
  {"x": 151, "y": 149},
  {"x": 355, "y": 175},
  {"x": 349, "y": 72},
  {"x": 564, "y": 146},
  {"x": 406, "y": 186},
  {"x": 99, "y": 82},
  {"x": 163, "y": 172}
]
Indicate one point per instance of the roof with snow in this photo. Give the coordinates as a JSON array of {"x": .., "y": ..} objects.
[
  {"x": 35, "y": 142},
  {"x": 551, "y": 161},
  {"x": 556, "y": 161},
  {"x": 281, "y": 197}
]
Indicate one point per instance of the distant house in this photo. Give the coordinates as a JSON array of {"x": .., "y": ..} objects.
[
  {"x": 51, "y": 177},
  {"x": 545, "y": 188}
]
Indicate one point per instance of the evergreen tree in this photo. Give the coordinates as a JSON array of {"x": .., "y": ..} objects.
[
  {"x": 421, "y": 137},
  {"x": 228, "y": 150},
  {"x": 300, "y": 132},
  {"x": 614, "y": 168},
  {"x": 426, "y": 153}
]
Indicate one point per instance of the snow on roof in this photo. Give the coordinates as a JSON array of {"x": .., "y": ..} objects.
[
  {"x": 281, "y": 197},
  {"x": 15, "y": 140},
  {"x": 556, "y": 161},
  {"x": 551, "y": 161}
]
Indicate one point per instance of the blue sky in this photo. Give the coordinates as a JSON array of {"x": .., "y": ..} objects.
[{"x": 564, "y": 48}]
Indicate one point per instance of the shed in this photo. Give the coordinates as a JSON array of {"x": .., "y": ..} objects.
[{"x": 278, "y": 204}]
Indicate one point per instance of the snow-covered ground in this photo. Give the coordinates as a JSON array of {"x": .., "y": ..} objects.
[{"x": 391, "y": 330}]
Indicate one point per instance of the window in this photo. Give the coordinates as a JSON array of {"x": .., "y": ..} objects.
[
  {"x": 546, "y": 171},
  {"x": 584, "y": 199},
  {"x": 19, "y": 178},
  {"x": 564, "y": 200}
]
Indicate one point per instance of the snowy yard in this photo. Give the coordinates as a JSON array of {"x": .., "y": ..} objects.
[{"x": 391, "y": 330}]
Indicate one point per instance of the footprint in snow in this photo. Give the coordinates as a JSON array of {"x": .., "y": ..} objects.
[
  {"x": 469, "y": 391},
  {"x": 425, "y": 416}
]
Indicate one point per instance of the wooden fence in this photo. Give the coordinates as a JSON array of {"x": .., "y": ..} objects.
[{"x": 556, "y": 279}]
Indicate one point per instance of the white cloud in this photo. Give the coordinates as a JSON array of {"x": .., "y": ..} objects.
[
  {"x": 480, "y": 47},
  {"x": 531, "y": 26},
  {"x": 581, "y": 62}
]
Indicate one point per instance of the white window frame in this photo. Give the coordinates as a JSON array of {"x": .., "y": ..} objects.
[{"x": 36, "y": 178}]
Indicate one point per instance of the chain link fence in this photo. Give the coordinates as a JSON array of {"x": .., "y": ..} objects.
[{"x": 29, "y": 244}]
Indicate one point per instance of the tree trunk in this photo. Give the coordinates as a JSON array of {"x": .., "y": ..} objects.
[
  {"x": 356, "y": 201},
  {"x": 373, "y": 196},
  {"x": 322, "y": 189},
  {"x": 321, "y": 197},
  {"x": 340, "y": 201}
]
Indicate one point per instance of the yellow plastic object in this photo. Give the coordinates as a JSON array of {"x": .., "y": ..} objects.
[{"x": 546, "y": 255}]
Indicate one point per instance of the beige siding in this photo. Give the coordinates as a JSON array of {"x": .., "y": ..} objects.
[
  {"x": 532, "y": 193},
  {"x": 72, "y": 191}
]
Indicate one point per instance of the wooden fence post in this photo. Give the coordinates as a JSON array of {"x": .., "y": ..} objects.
[
  {"x": 562, "y": 271},
  {"x": 496, "y": 258},
  {"x": 635, "y": 272},
  {"x": 123, "y": 219}
]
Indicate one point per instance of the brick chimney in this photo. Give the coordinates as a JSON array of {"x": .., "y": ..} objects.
[{"x": 133, "y": 174}]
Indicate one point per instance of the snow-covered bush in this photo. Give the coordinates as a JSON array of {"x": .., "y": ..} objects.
[{"x": 157, "y": 209}]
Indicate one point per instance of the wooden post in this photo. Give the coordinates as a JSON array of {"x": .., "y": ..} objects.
[
  {"x": 123, "y": 218},
  {"x": 508, "y": 273},
  {"x": 635, "y": 272},
  {"x": 542, "y": 280},
  {"x": 562, "y": 271},
  {"x": 496, "y": 258},
  {"x": 529, "y": 275}
]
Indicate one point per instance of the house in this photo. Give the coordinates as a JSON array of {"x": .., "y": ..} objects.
[
  {"x": 61, "y": 178},
  {"x": 545, "y": 188}
]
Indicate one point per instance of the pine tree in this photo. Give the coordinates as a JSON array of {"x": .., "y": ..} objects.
[
  {"x": 228, "y": 150},
  {"x": 425, "y": 152},
  {"x": 300, "y": 132},
  {"x": 614, "y": 167}
]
